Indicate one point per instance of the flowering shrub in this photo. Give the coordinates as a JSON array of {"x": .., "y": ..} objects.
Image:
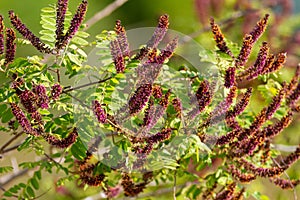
[{"x": 131, "y": 122}]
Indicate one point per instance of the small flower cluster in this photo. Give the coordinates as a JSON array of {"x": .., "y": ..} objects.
[
  {"x": 42, "y": 98},
  {"x": 140, "y": 98},
  {"x": 99, "y": 111},
  {"x": 56, "y": 91},
  {"x": 61, "y": 38}
]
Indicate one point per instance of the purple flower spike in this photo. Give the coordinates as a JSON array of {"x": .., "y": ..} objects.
[
  {"x": 61, "y": 9},
  {"x": 43, "y": 99},
  {"x": 159, "y": 32},
  {"x": 277, "y": 64},
  {"x": 23, "y": 121},
  {"x": 10, "y": 46},
  {"x": 99, "y": 112},
  {"x": 260, "y": 28},
  {"x": 230, "y": 77},
  {"x": 160, "y": 136},
  {"x": 285, "y": 184},
  {"x": 140, "y": 98},
  {"x": 56, "y": 91},
  {"x": 177, "y": 106},
  {"x": 74, "y": 25},
  {"x": 23, "y": 30},
  {"x": 167, "y": 52},
  {"x": 157, "y": 91},
  {"x": 219, "y": 38},
  {"x": 117, "y": 56},
  {"x": 122, "y": 38},
  {"x": 245, "y": 51},
  {"x": 1, "y": 35}
]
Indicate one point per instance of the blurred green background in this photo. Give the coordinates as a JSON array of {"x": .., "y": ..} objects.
[{"x": 187, "y": 18}]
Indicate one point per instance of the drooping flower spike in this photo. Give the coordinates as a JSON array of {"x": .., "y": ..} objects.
[
  {"x": 23, "y": 30},
  {"x": 99, "y": 112},
  {"x": 64, "y": 142}
]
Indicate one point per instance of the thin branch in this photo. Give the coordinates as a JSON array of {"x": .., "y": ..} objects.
[
  {"x": 85, "y": 85},
  {"x": 10, "y": 141},
  {"x": 174, "y": 186},
  {"x": 104, "y": 13},
  {"x": 11, "y": 148},
  {"x": 284, "y": 148}
]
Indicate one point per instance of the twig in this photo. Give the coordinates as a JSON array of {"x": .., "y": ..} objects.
[
  {"x": 85, "y": 85},
  {"x": 10, "y": 141},
  {"x": 174, "y": 187},
  {"x": 104, "y": 13},
  {"x": 284, "y": 148},
  {"x": 11, "y": 148}
]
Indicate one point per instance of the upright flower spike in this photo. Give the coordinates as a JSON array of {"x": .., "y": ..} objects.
[
  {"x": 219, "y": 38},
  {"x": 23, "y": 30},
  {"x": 237, "y": 174},
  {"x": 176, "y": 102},
  {"x": 245, "y": 51},
  {"x": 117, "y": 56},
  {"x": 10, "y": 46},
  {"x": 74, "y": 25},
  {"x": 256, "y": 69},
  {"x": 273, "y": 130},
  {"x": 61, "y": 10},
  {"x": 260, "y": 28},
  {"x": 122, "y": 38},
  {"x": 160, "y": 136},
  {"x": 167, "y": 52},
  {"x": 159, "y": 32},
  {"x": 293, "y": 83},
  {"x": 1, "y": 35},
  {"x": 139, "y": 99},
  {"x": 99, "y": 112},
  {"x": 276, "y": 101},
  {"x": 290, "y": 159}
]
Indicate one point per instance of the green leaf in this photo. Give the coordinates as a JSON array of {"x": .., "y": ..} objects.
[
  {"x": 6, "y": 169},
  {"x": 34, "y": 183},
  {"x": 30, "y": 191},
  {"x": 6, "y": 116},
  {"x": 48, "y": 38},
  {"x": 48, "y": 10},
  {"x": 2, "y": 109},
  {"x": 26, "y": 143},
  {"x": 80, "y": 41},
  {"x": 82, "y": 34}
]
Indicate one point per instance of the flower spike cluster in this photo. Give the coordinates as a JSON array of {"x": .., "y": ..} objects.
[
  {"x": 61, "y": 10},
  {"x": 10, "y": 46},
  {"x": 74, "y": 25},
  {"x": 1, "y": 35}
]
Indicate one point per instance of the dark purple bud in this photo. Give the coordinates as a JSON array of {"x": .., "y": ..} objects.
[
  {"x": 117, "y": 56},
  {"x": 1, "y": 35},
  {"x": 37, "y": 117},
  {"x": 99, "y": 112},
  {"x": 74, "y": 25},
  {"x": 61, "y": 9},
  {"x": 10, "y": 46},
  {"x": 229, "y": 77},
  {"x": 159, "y": 32},
  {"x": 142, "y": 54},
  {"x": 229, "y": 137},
  {"x": 64, "y": 142},
  {"x": 43, "y": 99},
  {"x": 157, "y": 92},
  {"x": 139, "y": 99},
  {"x": 23, "y": 30},
  {"x": 56, "y": 91},
  {"x": 260, "y": 28},
  {"x": 122, "y": 38},
  {"x": 130, "y": 188},
  {"x": 219, "y": 38}
]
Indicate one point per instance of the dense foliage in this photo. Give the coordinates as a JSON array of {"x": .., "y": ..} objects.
[{"x": 137, "y": 119}]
